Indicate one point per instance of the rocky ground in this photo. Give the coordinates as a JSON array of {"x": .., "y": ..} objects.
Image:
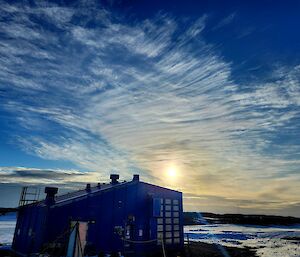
[{"x": 198, "y": 249}]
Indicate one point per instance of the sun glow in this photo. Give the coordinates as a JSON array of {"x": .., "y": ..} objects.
[{"x": 172, "y": 172}]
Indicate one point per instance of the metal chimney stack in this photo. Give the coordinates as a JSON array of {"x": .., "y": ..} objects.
[
  {"x": 114, "y": 179},
  {"x": 50, "y": 197}
]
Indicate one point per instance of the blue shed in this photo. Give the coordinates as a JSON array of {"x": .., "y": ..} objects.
[{"x": 133, "y": 218}]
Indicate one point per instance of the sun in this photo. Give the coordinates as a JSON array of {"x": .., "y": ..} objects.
[{"x": 172, "y": 172}]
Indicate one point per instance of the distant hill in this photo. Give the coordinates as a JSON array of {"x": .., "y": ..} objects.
[
  {"x": 3, "y": 211},
  {"x": 192, "y": 218}
]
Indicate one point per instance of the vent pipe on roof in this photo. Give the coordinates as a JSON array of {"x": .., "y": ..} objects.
[
  {"x": 88, "y": 187},
  {"x": 136, "y": 177},
  {"x": 114, "y": 178},
  {"x": 50, "y": 195}
]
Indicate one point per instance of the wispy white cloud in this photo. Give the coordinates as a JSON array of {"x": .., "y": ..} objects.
[
  {"x": 146, "y": 96},
  {"x": 225, "y": 21},
  {"x": 282, "y": 92}
]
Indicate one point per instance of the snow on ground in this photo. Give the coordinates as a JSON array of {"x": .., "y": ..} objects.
[
  {"x": 269, "y": 241},
  {"x": 7, "y": 228}
]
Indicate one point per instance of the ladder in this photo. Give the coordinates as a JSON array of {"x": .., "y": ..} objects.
[{"x": 29, "y": 195}]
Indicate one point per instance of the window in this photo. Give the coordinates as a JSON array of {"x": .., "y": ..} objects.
[
  {"x": 168, "y": 221},
  {"x": 160, "y": 235},
  {"x": 169, "y": 241},
  {"x": 176, "y": 227},
  {"x": 140, "y": 232},
  {"x": 168, "y": 201},
  {"x": 168, "y": 227},
  {"x": 168, "y": 234},
  {"x": 168, "y": 207},
  {"x": 176, "y": 240}
]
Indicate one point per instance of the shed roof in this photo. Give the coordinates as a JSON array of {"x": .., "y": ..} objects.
[{"x": 82, "y": 193}]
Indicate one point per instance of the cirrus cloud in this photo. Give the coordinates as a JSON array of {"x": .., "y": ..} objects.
[{"x": 145, "y": 96}]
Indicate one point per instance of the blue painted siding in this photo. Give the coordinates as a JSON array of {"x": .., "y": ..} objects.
[{"x": 126, "y": 206}]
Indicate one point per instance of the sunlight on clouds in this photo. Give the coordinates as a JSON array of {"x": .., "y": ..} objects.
[{"x": 147, "y": 97}]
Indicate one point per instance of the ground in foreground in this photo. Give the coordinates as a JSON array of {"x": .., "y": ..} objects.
[{"x": 198, "y": 249}]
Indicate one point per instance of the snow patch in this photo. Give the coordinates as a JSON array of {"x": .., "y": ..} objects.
[{"x": 268, "y": 241}]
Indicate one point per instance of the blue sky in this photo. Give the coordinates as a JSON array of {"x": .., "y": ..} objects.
[{"x": 209, "y": 89}]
